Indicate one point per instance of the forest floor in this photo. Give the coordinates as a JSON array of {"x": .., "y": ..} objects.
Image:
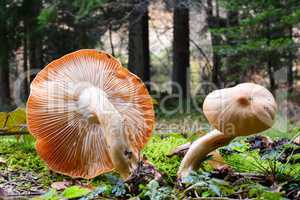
[{"x": 265, "y": 166}]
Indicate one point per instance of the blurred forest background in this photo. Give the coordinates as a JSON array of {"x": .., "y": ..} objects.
[{"x": 190, "y": 42}]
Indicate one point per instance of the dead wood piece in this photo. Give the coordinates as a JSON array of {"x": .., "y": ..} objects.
[{"x": 8, "y": 133}]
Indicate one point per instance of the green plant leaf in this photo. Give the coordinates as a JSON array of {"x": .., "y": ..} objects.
[
  {"x": 75, "y": 192},
  {"x": 50, "y": 195},
  {"x": 215, "y": 189},
  {"x": 95, "y": 193},
  {"x": 119, "y": 189}
]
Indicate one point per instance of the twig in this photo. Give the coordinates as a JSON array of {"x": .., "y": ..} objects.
[
  {"x": 110, "y": 40},
  {"x": 202, "y": 53},
  {"x": 248, "y": 174},
  {"x": 6, "y": 120},
  {"x": 8, "y": 133}
]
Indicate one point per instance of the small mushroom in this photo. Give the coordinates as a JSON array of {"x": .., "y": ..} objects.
[
  {"x": 89, "y": 115},
  {"x": 242, "y": 110}
]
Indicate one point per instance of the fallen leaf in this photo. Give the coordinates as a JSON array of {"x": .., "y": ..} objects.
[
  {"x": 260, "y": 142},
  {"x": 297, "y": 140},
  {"x": 61, "y": 185},
  {"x": 2, "y": 193},
  {"x": 14, "y": 120},
  {"x": 2, "y": 160},
  {"x": 217, "y": 161}
]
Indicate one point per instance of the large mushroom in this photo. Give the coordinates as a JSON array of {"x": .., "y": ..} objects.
[
  {"x": 242, "y": 110},
  {"x": 89, "y": 115}
]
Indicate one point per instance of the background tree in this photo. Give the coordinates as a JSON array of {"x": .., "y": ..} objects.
[
  {"x": 214, "y": 21},
  {"x": 259, "y": 39},
  {"x": 181, "y": 53},
  {"x": 8, "y": 42},
  {"x": 138, "y": 47},
  {"x": 247, "y": 37}
]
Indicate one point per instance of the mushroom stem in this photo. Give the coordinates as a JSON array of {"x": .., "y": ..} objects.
[
  {"x": 94, "y": 104},
  {"x": 124, "y": 160},
  {"x": 200, "y": 148}
]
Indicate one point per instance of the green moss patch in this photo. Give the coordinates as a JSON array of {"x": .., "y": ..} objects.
[{"x": 157, "y": 150}]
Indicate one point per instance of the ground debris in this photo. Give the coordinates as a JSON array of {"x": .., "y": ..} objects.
[
  {"x": 260, "y": 142},
  {"x": 143, "y": 175},
  {"x": 61, "y": 185},
  {"x": 19, "y": 183}
]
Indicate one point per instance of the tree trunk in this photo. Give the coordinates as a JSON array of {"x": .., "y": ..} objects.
[
  {"x": 35, "y": 40},
  {"x": 83, "y": 37},
  {"x": 35, "y": 53},
  {"x": 181, "y": 52},
  {"x": 213, "y": 22},
  {"x": 272, "y": 59},
  {"x": 111, "y": 40},
  {"x": 233, "y": 18},
  {"x": 290, "y": 74},
  {"x": 25, "y": 94},
  {"x": 139, "y": 60},
  {"x": 4, "y": 63},
  {"x": 232, "y": 61},
  {"x": 271, "y": 74}
]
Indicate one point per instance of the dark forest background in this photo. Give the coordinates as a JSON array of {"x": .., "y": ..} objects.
[{"x": 191, "y": 42}]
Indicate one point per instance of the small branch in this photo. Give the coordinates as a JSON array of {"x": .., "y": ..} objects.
[
  {"x": 203, "y": 54},
  {"x": 180, "y": 150},
  {"x": 249, "y": 174},
  {"x": 110, "y": 40},
  {"x": 6, "y": 120},
  {"x": 8, "y": 133}
]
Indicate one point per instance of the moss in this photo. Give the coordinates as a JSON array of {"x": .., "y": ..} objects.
[
  {"x": 157, "y": 150},
  {"x": 22, "y": 157}
]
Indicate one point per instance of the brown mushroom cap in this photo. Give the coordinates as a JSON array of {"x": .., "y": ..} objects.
[
  {"x": 242, "y": 110},
  {"x": 69, "y": 142}
]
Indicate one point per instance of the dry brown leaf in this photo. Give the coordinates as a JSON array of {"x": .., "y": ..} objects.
[
  {"x": 2, "y": 193},
  {"x": 217, "y": 161},
  {"x": 2, "y": 160},
  {"x": 297, "y": 140},
  {"x": 61, "y": 185}
]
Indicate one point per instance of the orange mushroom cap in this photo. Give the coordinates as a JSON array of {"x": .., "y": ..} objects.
[
  {"x": 71, "y": 142},
  {"x": 242, "y": 110}
]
